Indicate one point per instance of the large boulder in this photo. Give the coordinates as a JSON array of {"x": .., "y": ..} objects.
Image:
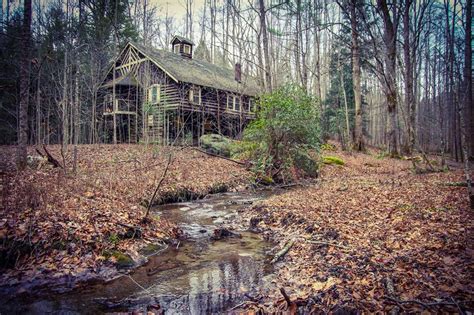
[
  {"x": 216, "y": 144},
  {"x": 304, "y": 162}
]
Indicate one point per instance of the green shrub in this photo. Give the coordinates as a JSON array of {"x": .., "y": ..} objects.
[
  {"x": 242, "y": 150},
  {"x": 286, "y": 128},
  {"x": 333, "y": 160}
]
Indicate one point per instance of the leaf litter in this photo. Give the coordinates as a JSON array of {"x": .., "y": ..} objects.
[
  {"x": 57, "y": 228},
  {"x": 365, "y": 227}
]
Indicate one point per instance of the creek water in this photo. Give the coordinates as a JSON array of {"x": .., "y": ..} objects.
[{"x": 200, "y": 276}]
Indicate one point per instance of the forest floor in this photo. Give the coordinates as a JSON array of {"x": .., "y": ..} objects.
[
  {"x": 60, "y": 227},
  {"x": 371, "y": 236}
]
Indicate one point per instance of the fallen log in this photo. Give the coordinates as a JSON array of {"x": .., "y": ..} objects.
[
  {"x": 49, "y": 157},
  {"x": 283, "y": 252}
]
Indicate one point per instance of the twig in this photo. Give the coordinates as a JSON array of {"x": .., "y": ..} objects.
[
  {"x": 219, "y": 156},
  {"x": 423, "y": 304},
  {"x": 150, "y": 203},
  {"x": 283, "y": 252},
  {"x": 329, "y": 244},
  {"x": 242, "y": 304},
  {"x": 138, "y": 284},
  {"x": 285, "y": 296},
  {"x": 458, "y": 306},
  {"x": 455, "y": 184}
]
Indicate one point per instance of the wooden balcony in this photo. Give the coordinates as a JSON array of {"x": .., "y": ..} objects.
[{"x": 119, "y": 106}]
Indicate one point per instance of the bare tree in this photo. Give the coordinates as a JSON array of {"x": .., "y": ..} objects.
[
  {"x": 358, "y": 143},
  {"x": 464, "y": 112},
  {"x": 390, "y": 21},
  {"x": 266, "y": 54},
  {"x": 24, "y": 86}
]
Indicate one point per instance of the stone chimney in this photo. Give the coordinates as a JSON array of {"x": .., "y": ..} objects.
[{"x": 238, "y": 72}]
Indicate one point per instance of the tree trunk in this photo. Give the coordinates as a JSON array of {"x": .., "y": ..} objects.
[
  {"x": 24, "y": 86},
  {"x": 466, "y": 137},
  {"x": 358, "y": 144},
  {"x": 390, "y": 59},
  {"x": 266, "y": 55},
  {"x": 409, "y": 101}
]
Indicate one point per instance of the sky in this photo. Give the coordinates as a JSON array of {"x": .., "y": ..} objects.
[{"x": 177, "y": 8}]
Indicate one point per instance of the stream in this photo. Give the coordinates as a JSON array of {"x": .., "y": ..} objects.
[{"x": 200, "y": 276}]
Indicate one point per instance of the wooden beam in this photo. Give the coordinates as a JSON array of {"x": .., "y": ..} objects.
[{"x": 129, "y": 64}]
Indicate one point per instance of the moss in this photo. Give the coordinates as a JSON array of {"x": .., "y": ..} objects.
[
  {"x": 328, "y": 147},
  {"x": 114, "y": 239},
  {"x": 219, "y": 188},
  {"x": 264, "y": 180},
  {"x": 179, "y": 195},
  {"x": 151, "y": 249},
  {"x": 333, "y": 160},
  {"x": 122, "y": 260}
]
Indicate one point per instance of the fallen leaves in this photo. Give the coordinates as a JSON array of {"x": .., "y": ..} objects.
[
  {"x": 387, "y": 222},
  {"x": 51, "y": 221},
  {"x": 325, "y": 285}
]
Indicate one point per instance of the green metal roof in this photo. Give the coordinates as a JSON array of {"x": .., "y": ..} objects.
[{"x": 199, "y": 72}]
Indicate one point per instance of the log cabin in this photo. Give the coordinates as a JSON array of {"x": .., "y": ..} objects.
[{"x": 168, "y": 97}]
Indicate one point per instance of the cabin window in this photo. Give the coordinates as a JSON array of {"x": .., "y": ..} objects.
[
  {"x": 230, "y": 101},
  {"x": 233, "y": 102},
  {"x": 195, "y": 95},
  {"x": 154, "y": 94},
  {"x": 251, "y": 105},
  {"x": 237, "y": 103},
  {"x": 176, "y": 48},
  {"x": 187, "y": 49}
]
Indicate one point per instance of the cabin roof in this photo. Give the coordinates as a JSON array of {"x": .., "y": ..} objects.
[
  {"x": 199, "y": 72},
  {"x": 181, "y": 39}
]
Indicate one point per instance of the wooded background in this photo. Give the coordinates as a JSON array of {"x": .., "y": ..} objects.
[{"x": 393, "y": 74}]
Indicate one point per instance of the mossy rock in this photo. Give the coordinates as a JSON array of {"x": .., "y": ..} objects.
[
  {"x": 304, "y": 162},
  {"x": 264, "y": 180},
  {"x": 216, "y": 144},
  {"x": 151, "y": 249},
  {"x": 333, "y": 160},
  {"x": 122, "y": 260}
]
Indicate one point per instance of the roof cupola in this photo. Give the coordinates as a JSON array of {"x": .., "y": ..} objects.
[{"x": 182, "y": 46}]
